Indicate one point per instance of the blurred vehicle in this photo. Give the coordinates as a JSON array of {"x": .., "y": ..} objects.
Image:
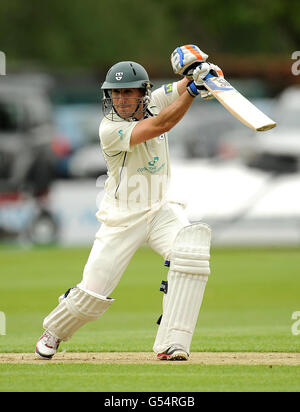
[
  {"x": 243, "y": 205},
  {"x": 241, "y": 141},
  {"x": 278, "y": 150},
  {"x": 27, "y": 138},
  {"x": 80, "y": 124},
  {"x": 26, "y": 218},
  {"x": 198, "y": 134},
  {"x": 27, "y": 158},
  {"x": 290, "y": 98},
  {"x": 208, "y": 130}
]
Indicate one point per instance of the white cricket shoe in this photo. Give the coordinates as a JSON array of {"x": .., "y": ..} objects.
[
  {"x": 174, "y": 353},
  {"x": 46, "y": 346}
]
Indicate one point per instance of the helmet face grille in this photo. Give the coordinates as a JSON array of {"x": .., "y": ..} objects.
[{"x": 112, "y": 112}]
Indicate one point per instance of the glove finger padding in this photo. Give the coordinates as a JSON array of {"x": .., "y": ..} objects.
[
  {"x": 196, "y": 86},
  {"x": 184, "y": 59},
  {"x": 200, "y": 73},
  {"x": 216, "y": 70}
]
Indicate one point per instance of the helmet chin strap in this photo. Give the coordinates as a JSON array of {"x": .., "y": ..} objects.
[{"x": 136, "y": 110}]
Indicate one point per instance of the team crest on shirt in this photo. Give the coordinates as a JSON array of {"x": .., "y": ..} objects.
[{"x": 119, "y": 76}]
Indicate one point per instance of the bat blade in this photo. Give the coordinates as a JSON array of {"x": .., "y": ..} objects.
[{"x": 237, "y": 104}]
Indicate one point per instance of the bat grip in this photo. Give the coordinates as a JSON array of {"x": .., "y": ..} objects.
[{"x": 210, "y": 75}]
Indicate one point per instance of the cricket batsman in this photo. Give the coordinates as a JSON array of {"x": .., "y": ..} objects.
[{"x": 136, "y": 208}]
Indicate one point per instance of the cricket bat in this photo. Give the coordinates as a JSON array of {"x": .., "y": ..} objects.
[{"x": 237, "y": 104}]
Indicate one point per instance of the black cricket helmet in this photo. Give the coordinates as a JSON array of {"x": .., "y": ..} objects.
[{"x": 126, "y": 75}]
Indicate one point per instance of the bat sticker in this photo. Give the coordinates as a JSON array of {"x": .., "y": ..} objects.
[{"x": 219, "y": 84}]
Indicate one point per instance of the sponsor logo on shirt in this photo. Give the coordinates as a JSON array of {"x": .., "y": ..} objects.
[
  {"x": 168, "y": 88},
  {"x": 152, "y": 163},
  {"x": 152, "y": 167}
]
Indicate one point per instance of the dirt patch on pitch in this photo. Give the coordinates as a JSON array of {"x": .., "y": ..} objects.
[{"x": 200, "y": 358}]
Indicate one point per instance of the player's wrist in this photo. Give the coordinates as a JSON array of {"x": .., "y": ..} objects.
[{"x": 192, "y": 89}]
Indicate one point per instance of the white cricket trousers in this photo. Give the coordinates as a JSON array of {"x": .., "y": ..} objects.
[{"x": 114, "y": 247}]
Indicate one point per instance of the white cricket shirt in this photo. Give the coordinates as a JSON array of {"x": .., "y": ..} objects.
[{"x": 138, "y": 175}]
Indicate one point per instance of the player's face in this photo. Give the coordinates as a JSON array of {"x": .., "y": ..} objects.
[{"x": 127, "y": 101}]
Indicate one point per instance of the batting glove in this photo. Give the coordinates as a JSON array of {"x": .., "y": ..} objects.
[
  {"x": 215, "y": 71},
  {"x": 184, "y": 59},
  {"x": 196, "y": 86}
]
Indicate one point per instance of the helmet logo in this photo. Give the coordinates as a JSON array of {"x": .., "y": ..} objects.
[{"x": 119, "y": 76}]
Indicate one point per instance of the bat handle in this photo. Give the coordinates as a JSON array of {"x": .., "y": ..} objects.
[{"x": 209, "y": 76}]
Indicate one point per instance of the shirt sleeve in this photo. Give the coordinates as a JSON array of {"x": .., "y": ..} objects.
[
  {"x": 115, "y": 136},
  {"x": 165, "y": 95}
]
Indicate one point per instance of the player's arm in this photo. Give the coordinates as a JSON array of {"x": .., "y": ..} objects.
[
  {"x": 182, "y": 85},
  {"x": 155, "y": 126}
]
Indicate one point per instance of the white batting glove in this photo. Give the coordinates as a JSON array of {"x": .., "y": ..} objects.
[
  {"x": 195, "y": 86},
  {"x": 215, "y": 70},
  {"x": 184, "y": 59},
  {"x": 200, "y": 73},
  {"x": 206, "y": 95}
]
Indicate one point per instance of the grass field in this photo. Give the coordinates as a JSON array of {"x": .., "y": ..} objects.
[{"x": 248, "y": 305}]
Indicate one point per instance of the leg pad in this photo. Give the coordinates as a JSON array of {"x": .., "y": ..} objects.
[
  {"x": 187, "y": 280},
  {"x": 78, "y": 308}
]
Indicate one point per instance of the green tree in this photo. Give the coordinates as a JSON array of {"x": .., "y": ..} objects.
[{"x": 97, "y": 33}]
